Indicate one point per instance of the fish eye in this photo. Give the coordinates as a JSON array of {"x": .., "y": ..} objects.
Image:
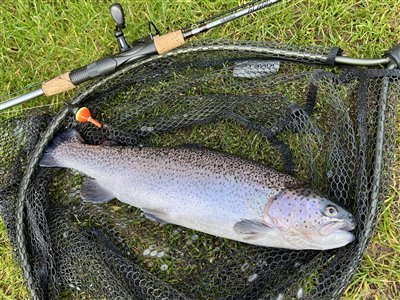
[{"x": 331, "y": 211}]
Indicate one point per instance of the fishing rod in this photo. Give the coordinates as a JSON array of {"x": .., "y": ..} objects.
[{"x": 143, "y": 48}]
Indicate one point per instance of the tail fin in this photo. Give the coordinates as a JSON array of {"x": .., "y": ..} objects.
[{"x": 67, "y": 137}]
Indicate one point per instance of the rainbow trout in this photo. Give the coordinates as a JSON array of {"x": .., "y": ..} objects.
[{"x": 208, "y": 191}]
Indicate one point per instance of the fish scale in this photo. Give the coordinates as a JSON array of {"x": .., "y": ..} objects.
[{"x": 205, "y": 190}]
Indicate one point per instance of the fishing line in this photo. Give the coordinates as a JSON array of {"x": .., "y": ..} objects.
[
  {"x": 12, "y": 112},
  {"x": 16, "y": 93}
]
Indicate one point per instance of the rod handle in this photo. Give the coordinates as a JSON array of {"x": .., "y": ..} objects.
[
  {"x": 58, "y": 85},
  {"x": 168, "y": 41}
]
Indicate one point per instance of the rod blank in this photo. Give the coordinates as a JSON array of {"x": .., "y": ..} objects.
[{"x": 228, "y": 18}]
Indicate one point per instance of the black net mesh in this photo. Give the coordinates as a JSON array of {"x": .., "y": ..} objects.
[{"x": 280, "y": 106}]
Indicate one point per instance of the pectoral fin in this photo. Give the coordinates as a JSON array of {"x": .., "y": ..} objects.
[
  {"x": 251, "y": 229},
  {"x": 91, "y": 191},
  {"x": 155, "y": 215}
]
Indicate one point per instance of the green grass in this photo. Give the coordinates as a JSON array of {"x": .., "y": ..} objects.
[
  {"x": 41, "y": 39},
  {"x": 11, "y": 283}
]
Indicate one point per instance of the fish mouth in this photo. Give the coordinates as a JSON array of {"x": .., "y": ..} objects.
[
  {"x": 337, "y": 234},
  {"x": 348, "y": 226},
  {"x": 338, "y": 226}
]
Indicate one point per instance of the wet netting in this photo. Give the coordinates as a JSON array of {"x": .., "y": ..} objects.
[{"x": 284, "y": 107}]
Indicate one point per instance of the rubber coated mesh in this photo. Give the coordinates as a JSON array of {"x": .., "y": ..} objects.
[{"x": 332, "y": 127}]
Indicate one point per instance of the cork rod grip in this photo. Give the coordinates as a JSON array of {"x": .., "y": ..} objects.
[
  {"x": 169, "y": 41},
  {"x": 57, "y": 85}
]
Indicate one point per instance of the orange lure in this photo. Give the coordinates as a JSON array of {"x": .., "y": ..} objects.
[{"x": 83, "y": 115}]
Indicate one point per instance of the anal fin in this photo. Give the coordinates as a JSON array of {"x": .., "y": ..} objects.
[{"x": 91, "y": 191}]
